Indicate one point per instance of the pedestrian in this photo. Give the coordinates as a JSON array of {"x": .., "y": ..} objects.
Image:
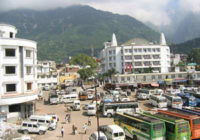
[
  {"x": 85, "y": 127},
  {"x": 66, "y": 117},
  {"x": 89, "y": 121},
  {"x": 73, "y": 129},
  {"x": 69, "y": 118},
  {"x": 76, "y": 130},
  {"x": 62, "y": 131}
]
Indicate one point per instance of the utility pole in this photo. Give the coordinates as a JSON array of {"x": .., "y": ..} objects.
[
  {"x": 92, "y": 51},
  {"x": 97, "y": 113}
]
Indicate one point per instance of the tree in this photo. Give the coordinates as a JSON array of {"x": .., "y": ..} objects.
[
  {"x": 84, "y": 60},
  {"x": 194, "y": 55},
  {"x": 85, "y": 73}
]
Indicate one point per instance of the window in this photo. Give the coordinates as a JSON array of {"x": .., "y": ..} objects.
[
  {"x": 11, "y": 34},
  {"x": 28, "y": 70},
  {"x": 10, "y": 69},
  {"x": 28, "y": 53},
  {"x": 35, "y": 126},
  {"x": 29, "y": 125},
  {"x": 41, "y": 121},
  {"x": 24, "y": 124},
  {"x": 29, "y": 86},
  {"x": 10, "y": 87},
  {"x": 10, "y": 52}
]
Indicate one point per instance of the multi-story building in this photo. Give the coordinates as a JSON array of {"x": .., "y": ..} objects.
[
  {"x": 47, "y": 74},
  {"x": 136, "y": 56},
  {"x": 18, "y": 72}
]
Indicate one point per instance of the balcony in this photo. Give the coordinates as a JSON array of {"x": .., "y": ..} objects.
[{"x": 15, "y": 98}]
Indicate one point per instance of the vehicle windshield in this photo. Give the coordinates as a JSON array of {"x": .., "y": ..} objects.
[
  {"x": 158, "y": 127},
  {"x": 183, "y": 127},
  {"x": 102, "y": 138},
  {"x": 91, "y": 108},
  {"x": 54, "y": 96},
  {"x": 162, "y": 100},
  {"x": 177, "y": 100}
]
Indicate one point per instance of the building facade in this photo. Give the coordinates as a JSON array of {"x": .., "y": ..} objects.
[
  {"x": 136, "y": 56},
  {"x": 18, "y": 72},
  {"x": 47, "y": 74}
]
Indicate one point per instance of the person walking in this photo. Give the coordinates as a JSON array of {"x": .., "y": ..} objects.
[
  {"x": 89, "y": 121},
  {"x": 85, "y": 127},
  {"x": 73, "y": 129},
  {"x": 62, "y": 131},
  {"x": 69, "y": 118}
]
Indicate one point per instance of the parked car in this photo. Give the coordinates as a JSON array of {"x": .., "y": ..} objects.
[
  {"x": 53, "y": 98},
  {"x": 94, "y": 136},
  {"x": 54, "y": 117},
  {"x": 76, "y": 105},
  {"x": 44, "y": 120},
  {"x": 33, "y": 127},
  {"x": 90, "y": 96}
]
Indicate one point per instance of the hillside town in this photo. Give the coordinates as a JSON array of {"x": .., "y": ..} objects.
[{"x": 136, "y": 90}]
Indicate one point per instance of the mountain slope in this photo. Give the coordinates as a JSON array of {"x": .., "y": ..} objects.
[
  {"x": 187, "y": 46},
  {"x": 188, "y": 28},
  {"x": 72, "y": 30}
]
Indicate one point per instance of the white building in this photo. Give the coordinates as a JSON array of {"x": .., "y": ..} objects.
[
  {"x": 137, "y": 56},
  {"x": 18, "y": 72},
  {"x": 47, "y": 74}
]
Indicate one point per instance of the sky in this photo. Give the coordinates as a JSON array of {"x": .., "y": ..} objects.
[{"x": 158, "y": 12}]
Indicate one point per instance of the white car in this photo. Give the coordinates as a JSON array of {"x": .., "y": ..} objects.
[
  {"x": 90, "y": 96},
  {"x": 125, "y": 99},
  {"x": 94, "y": 136}
]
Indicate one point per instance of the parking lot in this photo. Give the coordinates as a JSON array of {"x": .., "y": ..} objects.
[{"x": 78, "y": 118}]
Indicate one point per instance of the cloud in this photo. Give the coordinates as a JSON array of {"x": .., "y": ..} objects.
[
  {"x": 157, "y": 12},
  {"x": 145, "y": 10},
  {"x": 190, "y": 5}
]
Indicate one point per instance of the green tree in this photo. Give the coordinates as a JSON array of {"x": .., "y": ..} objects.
[
  {"x": 85, "y": 73},
  {"x": 84, "y": 60},
  {"x": 194, "y": 55}
]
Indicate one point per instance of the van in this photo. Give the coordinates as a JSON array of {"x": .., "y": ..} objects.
[
  {"x": 32, "y": 127},
  {"x": 91, "y": 110},
  {"x": 76, "y": 105},
  {"x": 53, "y": 99},
  {"x": 44, "y": 120},
  {"x": 114, "y": 132},
  {"x": 46, "y": 87},
  {"x": 68, "y": 98},
  {"x": 94, "y": 136},
  {"x": 158, "y": 101}
]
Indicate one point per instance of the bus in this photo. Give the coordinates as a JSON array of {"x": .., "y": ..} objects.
[
  {"x": 188, "y": 100},
  {"x": 140, "y": 127},
  {"x": 176, "y": 128},
  {"x": 193, "y": 120},
  {"x": 143, "y": 94},
  {"x": 158, "y": 101},
  {"x": 109, "y": 109},
  {"x": 173, "y": 101}
]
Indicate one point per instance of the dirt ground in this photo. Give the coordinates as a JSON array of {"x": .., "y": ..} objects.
[{"x": 77, "y": 117}]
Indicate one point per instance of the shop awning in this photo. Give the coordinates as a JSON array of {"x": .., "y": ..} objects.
[{"x": 154, "y": 85}]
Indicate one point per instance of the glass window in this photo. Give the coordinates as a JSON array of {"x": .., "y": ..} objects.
[
  {"x": 10, "y": 69},
  {"x": 10, "y": 87},
  {"x": 10, "y": 52},
  {"x": 28, "y": 70},
  {"x": 35, "y": 126},
  {"x": 24, "y": 124},
  {"x": 29, "y": 125},
  {"x": 41, "y": 121},
  {"x": 28, "y": 53}
]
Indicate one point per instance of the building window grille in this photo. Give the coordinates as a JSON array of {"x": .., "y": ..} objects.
[
  {"x": 10, "y": 52},
  {"x": 28, "y": 70},
  {"x": 10, "y": 87},
  {"x": 28, "y": 53},
  {"x": 10, "y": 69}
]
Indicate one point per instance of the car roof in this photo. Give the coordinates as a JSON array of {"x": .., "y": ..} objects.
[
  {"x": 115, "y": 128},
  {"x": 30, "y": 122},
  {"x": 100, "y": 132},
  {"x": 41, "y": 116}
]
